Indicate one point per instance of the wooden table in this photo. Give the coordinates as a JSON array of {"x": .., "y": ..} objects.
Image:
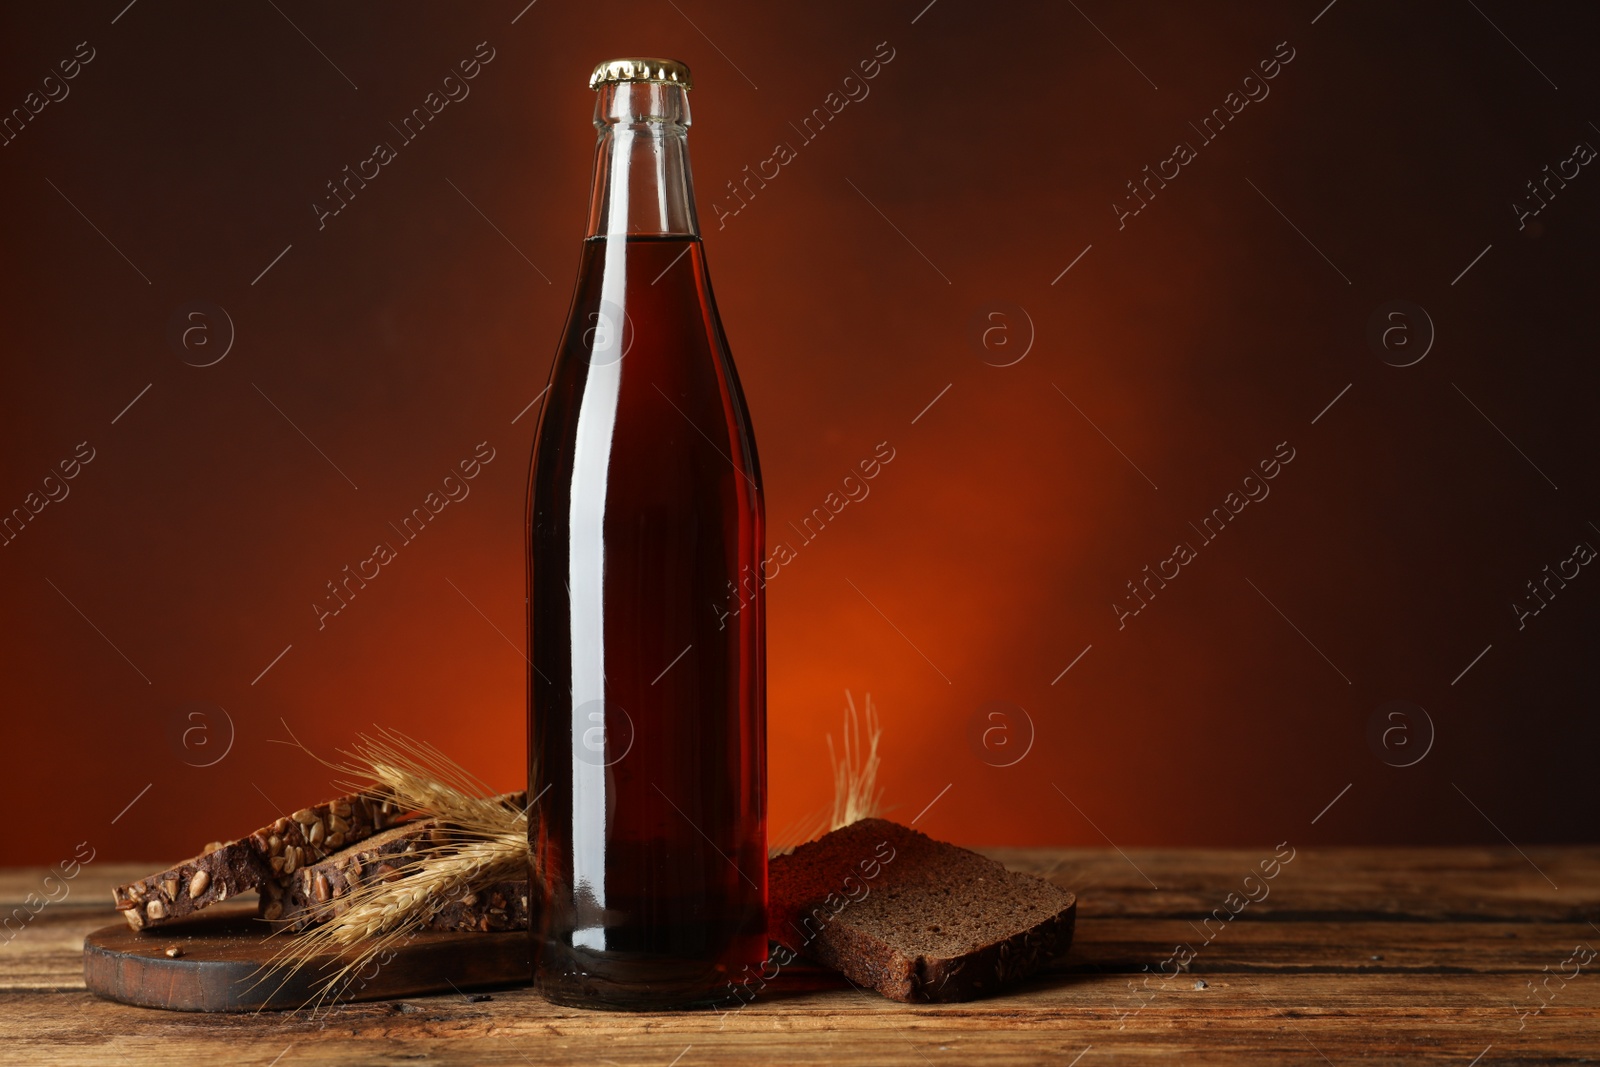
[{"x": 1378, "y": 955}]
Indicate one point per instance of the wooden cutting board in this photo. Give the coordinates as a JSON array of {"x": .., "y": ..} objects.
[{"x": 223, "y": 954}]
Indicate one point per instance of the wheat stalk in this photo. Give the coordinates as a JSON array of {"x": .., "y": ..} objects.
[
  {"x": 856, "y": 794},
  {"x": 417, "y": 777},
  {"x": 384, "y": 915},
  {"x": 487, "y": 844}
]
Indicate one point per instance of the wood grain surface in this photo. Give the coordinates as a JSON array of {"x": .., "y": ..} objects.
[{"x": 1383, "y": 956}]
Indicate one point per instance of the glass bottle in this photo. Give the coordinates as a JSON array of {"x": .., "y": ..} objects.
[{"x": 647, "y": 698}]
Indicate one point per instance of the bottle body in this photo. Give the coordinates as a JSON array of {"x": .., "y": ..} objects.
[{"x": 647, "y": 636}]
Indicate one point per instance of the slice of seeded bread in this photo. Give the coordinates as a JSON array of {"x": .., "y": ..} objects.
[
  {"x": 262, "y": 859},
  {"x": 319, "y": 892},
  {"x": 498, "y": 908},
  {"x": 914, "y": 918},
  {"x": 223, "y": 870},
  {"x": 326, "y": 888}
]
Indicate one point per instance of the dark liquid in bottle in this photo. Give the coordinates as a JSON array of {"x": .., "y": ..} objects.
[{"x": 646, "y": 719}]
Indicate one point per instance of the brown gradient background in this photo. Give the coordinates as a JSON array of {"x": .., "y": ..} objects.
[{"x": 1197, "y": 338}]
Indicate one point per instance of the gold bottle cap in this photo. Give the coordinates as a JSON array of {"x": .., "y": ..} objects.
[{"x": 641, "y": 70}]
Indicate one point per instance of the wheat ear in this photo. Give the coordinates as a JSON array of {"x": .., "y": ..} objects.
[
  {"x": 487, "y": 844},
  {"x": 856, "y": 794}
]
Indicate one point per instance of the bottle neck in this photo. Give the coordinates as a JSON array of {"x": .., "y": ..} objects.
[{"x": 641, "y": 167}]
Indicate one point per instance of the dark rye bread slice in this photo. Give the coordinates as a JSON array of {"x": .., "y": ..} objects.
[
  {"x": 914, "y": 918},
  {"x": 310, "y": 834},
  {"x": 319, "y": 892},
  {"x": 221, "y": 871},
  {"x": 499, "y": 908},
  {"x": 324, "y": 889},
  {"x": 225, "y": 869}
]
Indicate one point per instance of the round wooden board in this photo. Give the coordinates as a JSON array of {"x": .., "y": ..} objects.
[{"x": 224, "y": 953}]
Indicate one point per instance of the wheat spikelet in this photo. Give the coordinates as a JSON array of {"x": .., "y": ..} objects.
[
  {"x": 423, "y": 888},
  {"x": 418, "y": 777},
  {"x": 487, "y": 844},
  {"x": 386, "y": 914},
  {"x": 856, "y": 794}
]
